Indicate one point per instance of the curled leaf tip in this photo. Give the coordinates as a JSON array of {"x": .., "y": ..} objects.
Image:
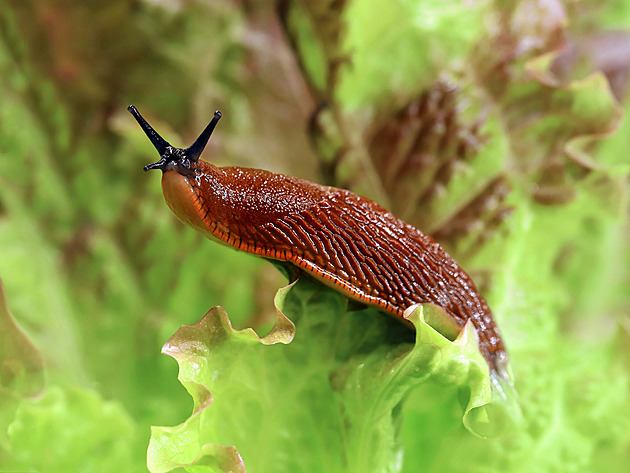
[{"x": 492, "y": 407}]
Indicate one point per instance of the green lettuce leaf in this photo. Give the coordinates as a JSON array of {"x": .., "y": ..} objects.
[
  {"x": 401, "y": 47},
  {"x": 73, "y": 429},
  {"x": 330, "y": 400},
  {"x": 99, "y": 274}
]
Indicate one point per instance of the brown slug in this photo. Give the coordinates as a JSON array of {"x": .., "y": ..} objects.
[{"x": 346, "y": 241}]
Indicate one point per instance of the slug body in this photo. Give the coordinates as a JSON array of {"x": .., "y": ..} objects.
[{"x": 344, "y": 240}]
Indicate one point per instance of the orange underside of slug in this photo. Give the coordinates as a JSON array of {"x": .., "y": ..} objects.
[
  {"x": 186, "y": 205},
  {"x": 181, "y": 199}
]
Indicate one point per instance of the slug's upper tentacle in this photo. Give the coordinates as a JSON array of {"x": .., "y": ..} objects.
[
  {"x": 194, "y": 151},
  {"x": 160, "y": 143}
]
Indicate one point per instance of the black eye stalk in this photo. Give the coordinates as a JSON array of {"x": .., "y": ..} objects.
[{"x": 171, "y": 158}]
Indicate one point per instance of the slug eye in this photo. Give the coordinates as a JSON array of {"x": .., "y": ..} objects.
[{"x": 171, "y": 158}]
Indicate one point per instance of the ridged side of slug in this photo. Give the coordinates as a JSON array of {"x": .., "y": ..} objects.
[{"x": 344, "y": 239}]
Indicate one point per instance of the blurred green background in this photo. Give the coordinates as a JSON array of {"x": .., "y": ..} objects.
[{"x": 458, "y": 116}]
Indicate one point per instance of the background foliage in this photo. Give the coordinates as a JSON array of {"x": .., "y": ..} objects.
[{"x": 480, "y": 122}]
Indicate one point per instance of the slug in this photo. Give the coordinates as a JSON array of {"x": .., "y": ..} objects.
[{"x": 346, "y": 241}]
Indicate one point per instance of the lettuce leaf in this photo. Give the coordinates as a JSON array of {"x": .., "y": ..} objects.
[
  {"x": 73, "y": 429},
  {"x": 330, "y": 399},
  {"x": 99, "y": 274}
]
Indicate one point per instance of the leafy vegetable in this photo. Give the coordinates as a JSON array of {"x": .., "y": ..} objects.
[
  {"x": 329, "y": 399},
  {"x": 510, "y": 158},
  {"x": 73, "y": 430}
]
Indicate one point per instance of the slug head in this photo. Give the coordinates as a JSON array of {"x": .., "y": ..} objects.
[{"x": 171, "y": 158}]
